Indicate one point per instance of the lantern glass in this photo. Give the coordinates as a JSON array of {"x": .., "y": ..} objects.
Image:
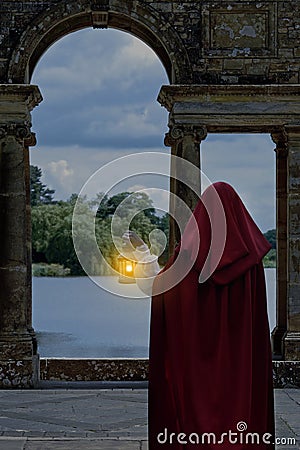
[
  {"x": 126, "y": 270},
  {"x": 128, "y": 267}
]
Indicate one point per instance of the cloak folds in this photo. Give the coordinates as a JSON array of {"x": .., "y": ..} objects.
[{"x": 210, "y": 357}]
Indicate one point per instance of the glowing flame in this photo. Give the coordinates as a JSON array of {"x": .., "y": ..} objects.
[{"x": 129, "y": 267}]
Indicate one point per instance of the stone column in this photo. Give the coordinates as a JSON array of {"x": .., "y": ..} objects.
[
  {"x": 292, "y": 338},
  {"x": 18, "y": 363},
  {"x": 29, "y": 143},
  {"x": 279, "y": 331},
  {"x": 184, "y": 141}
]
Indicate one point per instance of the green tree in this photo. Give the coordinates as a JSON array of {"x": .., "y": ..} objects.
[
  {"x": 40, "y": 194},
  {"x": 127, "y": 203},
  {"x": 46, "y": 219},
  {"x": 269, "y": 260},
  {"x": 270, "y": 235},
  {"x": 61, "y": 249},
  {"x": 52, "y": 236},
  {"x": 52, "y": 239}
]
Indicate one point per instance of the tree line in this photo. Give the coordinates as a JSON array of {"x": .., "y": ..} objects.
[
  {"x": 53, "y": 251},
  {"x": 52, "y": 241}
]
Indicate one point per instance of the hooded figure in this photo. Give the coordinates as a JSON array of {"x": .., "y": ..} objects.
[{"x": 210, "y": 358}]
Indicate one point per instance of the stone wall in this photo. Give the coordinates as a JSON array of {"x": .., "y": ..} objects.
[
  {"x": 84, "y": 369},
  {"x": 205, "y": 42},
  {"x": 286, "y": 374}
]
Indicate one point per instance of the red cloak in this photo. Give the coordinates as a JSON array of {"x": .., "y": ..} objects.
[{"x": 210, "y": 357}]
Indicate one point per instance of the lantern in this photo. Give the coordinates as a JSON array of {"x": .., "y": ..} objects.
[{"x": 126, "y": 270}]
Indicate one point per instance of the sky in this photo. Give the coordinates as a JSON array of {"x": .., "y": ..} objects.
[{"x": 100, "y": 89}]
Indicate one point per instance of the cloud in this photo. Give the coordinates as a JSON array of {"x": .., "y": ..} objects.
[
  {"x": 136, "y": 187},
  {"x": 60, "y": 169},
  {"x": 67, "y": 168},
  {"x": 100, "y": 89},
  {"x": 60, "y": 174},
  {"x": 98, "y": 60}
]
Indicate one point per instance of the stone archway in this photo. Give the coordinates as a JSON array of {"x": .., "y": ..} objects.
[{"x": 141, "y": 21}]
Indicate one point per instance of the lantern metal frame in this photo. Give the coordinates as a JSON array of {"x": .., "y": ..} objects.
[{"x": 126, "y": 276}]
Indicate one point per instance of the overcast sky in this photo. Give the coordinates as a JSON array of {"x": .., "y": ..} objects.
[{"x": 100, "y": 89}]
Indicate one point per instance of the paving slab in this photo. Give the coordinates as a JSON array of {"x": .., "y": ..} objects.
[
  {"x": 12, "y": 444},
  {"x": 79, "y": 445},
  {"x": 100, "y": 419}
]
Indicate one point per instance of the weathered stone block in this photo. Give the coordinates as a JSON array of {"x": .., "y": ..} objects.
[
  {"x": 286, "y": 53},
  {"x": 165, "y": 7},
  {"x": 278, "y": 67},
  {"x": 229, "y": 79},
  {"x": 22, "y": 373},
  {"x": 294, "y": 307},
  {"x": 286, "y": 374},
  {"x": 233, "y": 64},
  {"x": 294, "y": 264},
  {"x": 215, "y": 64},
  {"x": 292, "y": 346},
  {"x": 294, "y": 167},
  {"x": 294, "y": 214},
  {"x": 257, "y": 69}
]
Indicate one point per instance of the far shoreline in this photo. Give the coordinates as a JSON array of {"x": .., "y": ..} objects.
[{"x": 44, "y": 270}]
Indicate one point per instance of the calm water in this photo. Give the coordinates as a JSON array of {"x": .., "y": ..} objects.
[{"x": 73, "y": 317}]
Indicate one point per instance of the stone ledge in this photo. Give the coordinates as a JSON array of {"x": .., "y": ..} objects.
[
  {"x": 86, "y": 369},
  {"x": 286, "y": 374}
]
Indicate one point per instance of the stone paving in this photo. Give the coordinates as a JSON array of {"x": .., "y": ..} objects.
[{"x": 101, "y": 419}]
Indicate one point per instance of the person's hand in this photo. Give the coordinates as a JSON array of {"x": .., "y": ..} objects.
[{"x": 130, "y": 238}]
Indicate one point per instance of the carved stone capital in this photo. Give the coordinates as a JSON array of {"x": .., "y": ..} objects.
[
  {"x": 31, "y": 140},
  {"x": 169, "y": 141},
  {"x": 200, "y": 133},
  {"x": 19, "y": 130},
  {"x": 179, "y": 132},
  {"x": 280, "y": 139}
]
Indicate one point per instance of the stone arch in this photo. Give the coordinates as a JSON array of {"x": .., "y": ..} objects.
[{"x": 141, "y": 21}]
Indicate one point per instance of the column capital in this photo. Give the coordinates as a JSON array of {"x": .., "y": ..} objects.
[
  {"x": 178, "y": 132},
  {"x": 16, "y": 103},
  {"x": 19, "y": 130},
  {"x": 31, "y": 140},
  {"x": 280, "y": 138}
]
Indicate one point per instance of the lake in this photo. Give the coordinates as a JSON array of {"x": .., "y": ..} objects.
[{"x": 73, "y": 317}]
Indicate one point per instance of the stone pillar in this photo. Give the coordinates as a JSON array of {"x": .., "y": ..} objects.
[
  {"x": 279, "y": 331},
  {"x": 18, "y": 361},
  {"x": 292, "y": 338},
  {"x": 29, "y": 143},
  {"x": 184, "y": 141}
]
